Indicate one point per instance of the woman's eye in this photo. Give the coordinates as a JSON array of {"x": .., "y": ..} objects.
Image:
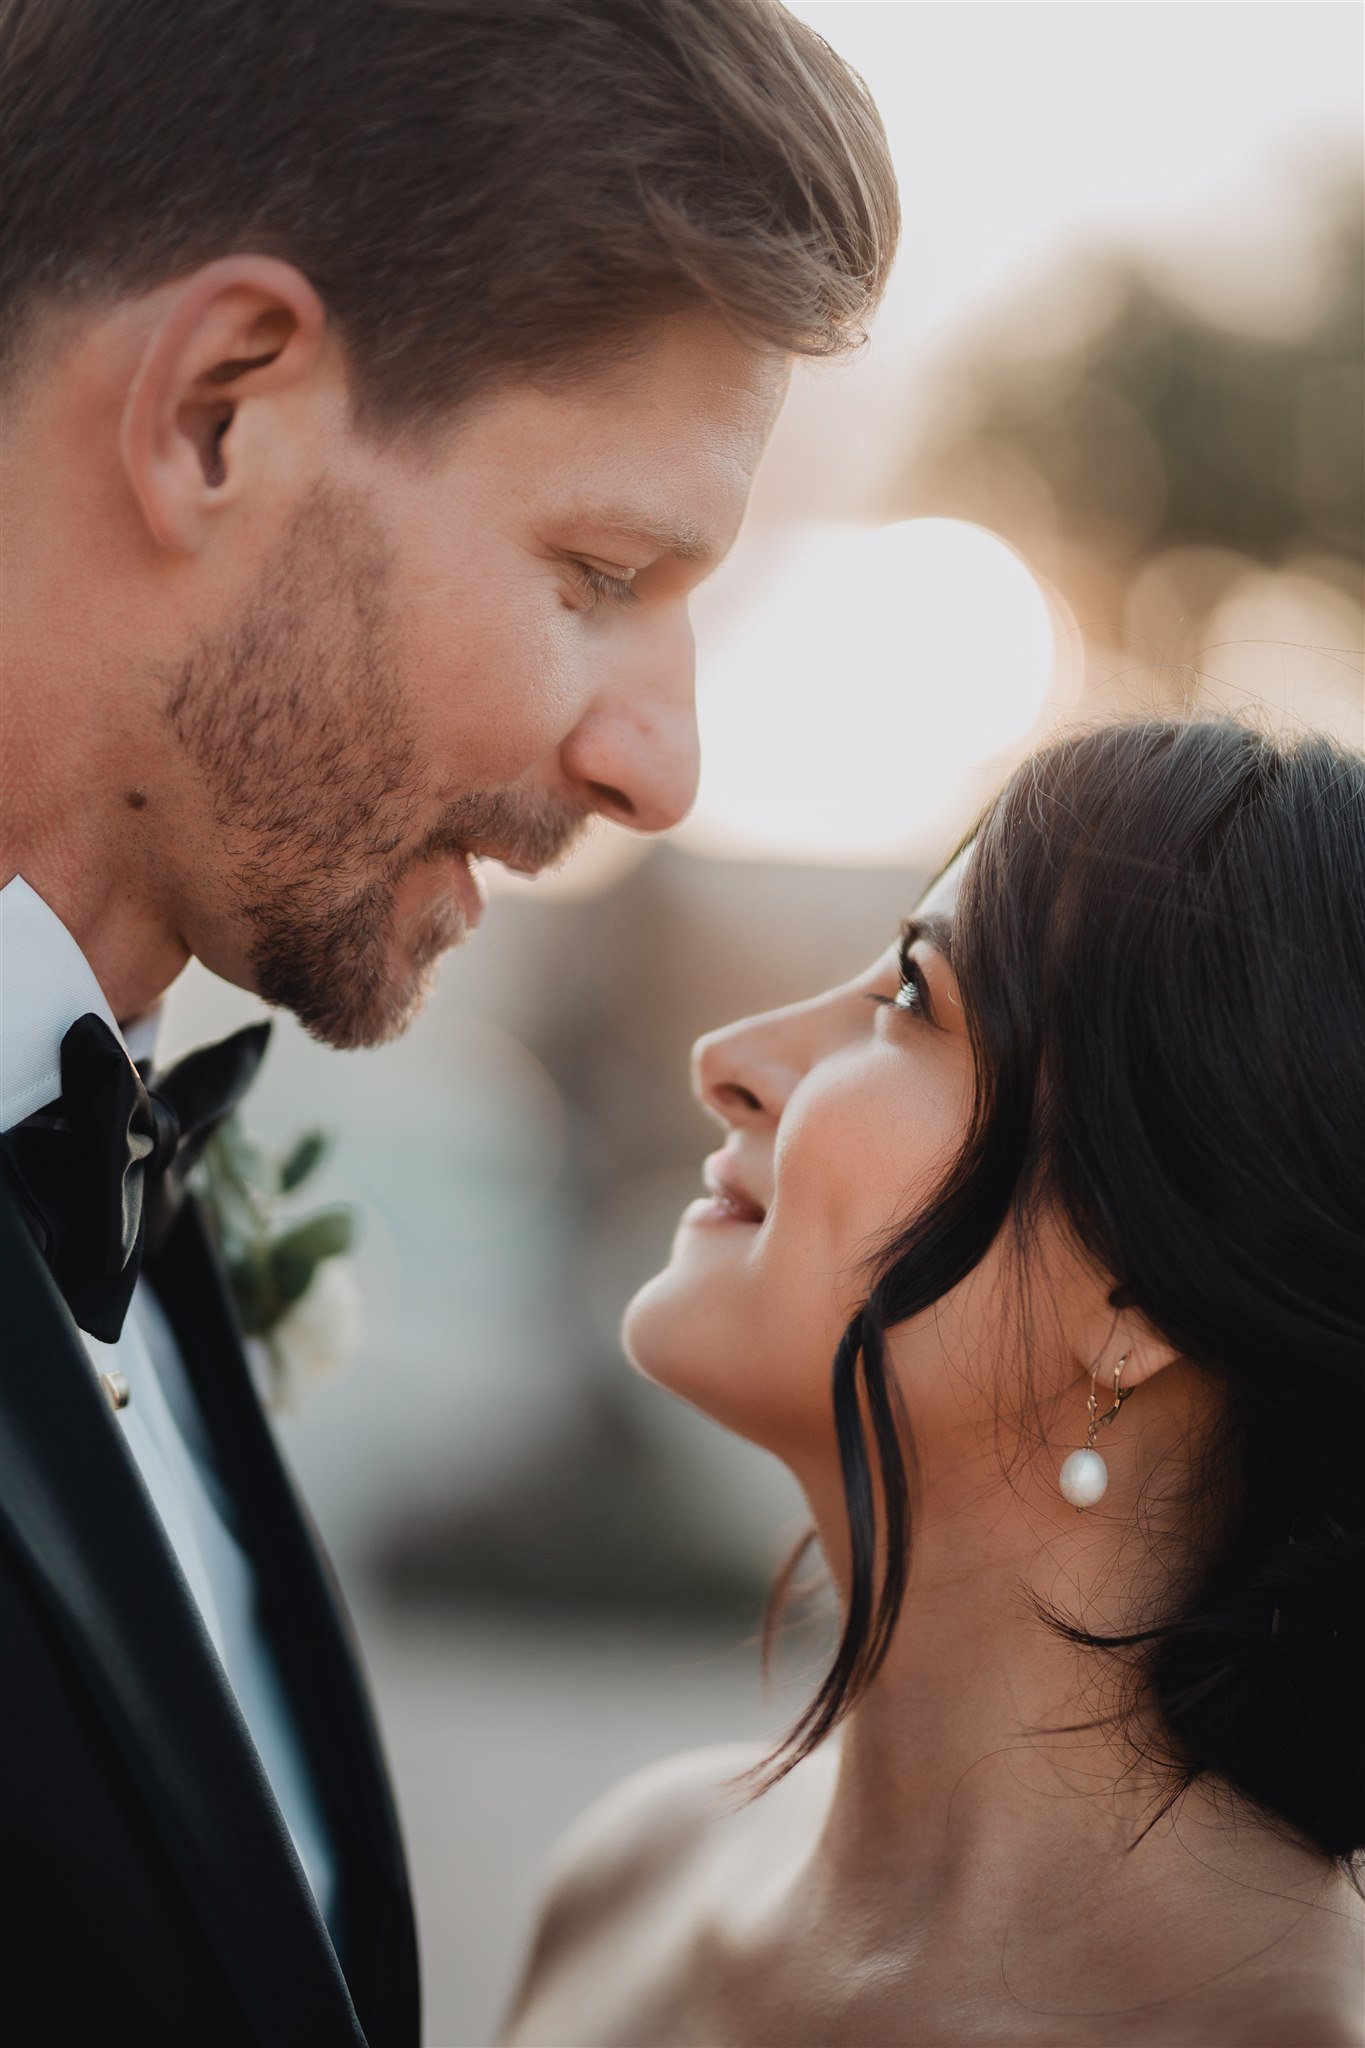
[
  {"x": 600, "y": 588},
  {"x": 910, "y": 994}
]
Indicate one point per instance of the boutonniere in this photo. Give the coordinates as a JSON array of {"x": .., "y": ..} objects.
[{"x": 291, "y": 1278}]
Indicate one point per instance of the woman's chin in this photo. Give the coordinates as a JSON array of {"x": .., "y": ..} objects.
[
  {"x": 676, "y": 1333},
  {"x": 675, "y": 1313},
  {"x": 645, "y": 1326},
  {"x": 672, "y": 1334}
]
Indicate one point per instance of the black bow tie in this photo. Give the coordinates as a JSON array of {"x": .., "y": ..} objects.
[{"x": 102, "y": 1171}]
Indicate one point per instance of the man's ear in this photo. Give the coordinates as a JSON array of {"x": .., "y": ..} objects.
[{"x": 238, "y": 331}]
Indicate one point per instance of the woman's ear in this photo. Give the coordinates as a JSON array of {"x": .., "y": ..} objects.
[
  {"x": 239, "y": 335},
  {"x": 1128, "y": 1336}
]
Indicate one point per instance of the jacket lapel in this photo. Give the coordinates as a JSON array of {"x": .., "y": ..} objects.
[
  {"x": 74, "y": 1507},
  {"x": 304, "y": 1615}
]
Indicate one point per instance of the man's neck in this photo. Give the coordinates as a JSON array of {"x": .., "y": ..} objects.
[
  {"x": 130, "y": 945},
  {"x": 85, "y": 774}
]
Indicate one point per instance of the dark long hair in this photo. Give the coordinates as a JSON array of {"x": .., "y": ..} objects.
[{"x": 1160, "y": 944}]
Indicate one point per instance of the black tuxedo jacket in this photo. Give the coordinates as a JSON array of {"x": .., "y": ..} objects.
[{"x": 153, "y": 1896}]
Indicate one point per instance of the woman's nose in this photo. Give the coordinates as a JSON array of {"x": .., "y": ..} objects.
[{"x": 738, "y": 1073}]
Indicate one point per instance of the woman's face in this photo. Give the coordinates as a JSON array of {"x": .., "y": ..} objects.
[{"x": 841, "y": 1115}]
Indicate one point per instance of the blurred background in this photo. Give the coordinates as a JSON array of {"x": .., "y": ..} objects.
[{"x": 1103, "y": 453}]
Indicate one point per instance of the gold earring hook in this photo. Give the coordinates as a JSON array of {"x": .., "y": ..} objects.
[{"x": 1093, "y": 1405}]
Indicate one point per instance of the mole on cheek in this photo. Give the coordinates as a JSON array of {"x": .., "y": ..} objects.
[{"x": 136, "y": 799}]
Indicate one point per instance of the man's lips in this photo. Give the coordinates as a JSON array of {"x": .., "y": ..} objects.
[
  {"x": 515, "y": 864},
  {"x": 468, "y": 887},
  {"x": 462, "y": 864}
]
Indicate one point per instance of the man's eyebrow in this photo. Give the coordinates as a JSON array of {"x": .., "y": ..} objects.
[{"x": 677, "y": 537}]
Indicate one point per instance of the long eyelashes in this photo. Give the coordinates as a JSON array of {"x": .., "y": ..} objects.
[{"x": 910, "y": 995}]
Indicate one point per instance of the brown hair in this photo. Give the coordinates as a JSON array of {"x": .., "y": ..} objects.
[{"x": 472, "y": 186}]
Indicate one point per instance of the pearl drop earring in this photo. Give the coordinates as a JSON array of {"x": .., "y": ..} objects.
[{"x": 1084, "y": 1475}]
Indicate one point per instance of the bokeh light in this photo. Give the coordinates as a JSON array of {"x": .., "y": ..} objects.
[{"x": 843, "y": 709}]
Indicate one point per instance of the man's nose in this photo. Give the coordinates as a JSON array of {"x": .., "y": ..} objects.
[{"x": 635, "y": 754}]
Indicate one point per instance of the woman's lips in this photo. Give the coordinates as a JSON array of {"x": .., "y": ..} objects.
[
  {"x": 726, "y": 1201},
  {"x": 716, "y": 1209}
]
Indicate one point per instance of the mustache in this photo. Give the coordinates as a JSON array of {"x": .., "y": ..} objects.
[{"x": 520, "y": 831}]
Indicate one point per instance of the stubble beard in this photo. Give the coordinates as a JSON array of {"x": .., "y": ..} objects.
[{"x": 293, "y": 716}]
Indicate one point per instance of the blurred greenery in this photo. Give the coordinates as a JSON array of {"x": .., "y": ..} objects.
[
  {"x": 1163, "y": 428},
  {"x": 244, "y": 1184}
]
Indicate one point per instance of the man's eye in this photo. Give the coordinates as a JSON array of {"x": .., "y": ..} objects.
[{"x": 600, "y": 588}]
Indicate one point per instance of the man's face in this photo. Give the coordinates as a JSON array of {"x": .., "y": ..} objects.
[{"x": 462, "y": 651}]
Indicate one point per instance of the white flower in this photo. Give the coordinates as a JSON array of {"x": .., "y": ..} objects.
[{"x": 316, "y": 1336}]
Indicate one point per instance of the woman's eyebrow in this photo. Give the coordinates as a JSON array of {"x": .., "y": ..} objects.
[{"x": 936, "y": 929}]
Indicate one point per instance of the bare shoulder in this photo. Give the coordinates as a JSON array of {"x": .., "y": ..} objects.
[
  {"x": 1307, "y": 1989},
  {"x": 636, "y": 1843},
  {"x": 649, "y": 1818},
  {"x": 1307, "y": 2023}
]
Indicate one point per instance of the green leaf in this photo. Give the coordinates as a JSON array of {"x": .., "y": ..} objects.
[
  {"x": 292, "y": 1273},
  {"x": 305, "y": 1158},
  {"x": 259, "y": 1303},
  {"x": 295, "y": 1257},
  {"x": 324, "y": 1236},
  {"x": 245, "y": 1159}
]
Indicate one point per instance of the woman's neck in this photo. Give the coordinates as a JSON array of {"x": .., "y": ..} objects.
[
  {"x": 947, "y": 1778},
  {"x": 955, "y": 1828}
]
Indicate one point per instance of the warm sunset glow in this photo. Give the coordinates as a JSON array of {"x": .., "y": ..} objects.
[{"x": 845, "y": 707}]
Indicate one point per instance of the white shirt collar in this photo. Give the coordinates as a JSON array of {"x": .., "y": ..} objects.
[{"x": 46, "y": 983}]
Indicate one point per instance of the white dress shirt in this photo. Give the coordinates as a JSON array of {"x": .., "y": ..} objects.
[{"x": 45, "y": 985}]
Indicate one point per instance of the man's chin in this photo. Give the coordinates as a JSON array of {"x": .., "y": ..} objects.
[
  {"x": 384, "y": 1012},
  {"x": 351, "y": 983},
  {"x": 442, "y": 926}
]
